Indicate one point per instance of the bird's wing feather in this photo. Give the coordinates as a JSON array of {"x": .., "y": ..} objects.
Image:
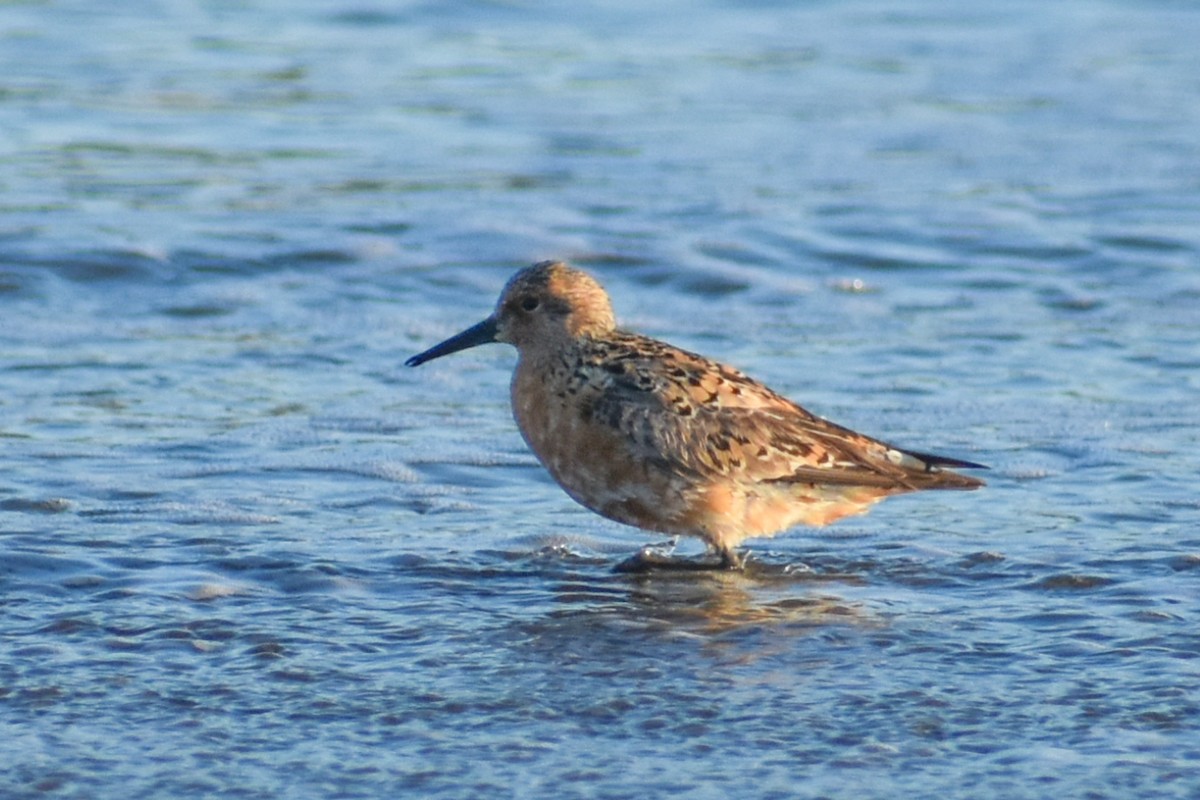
[{"x": 710, "y": 420}]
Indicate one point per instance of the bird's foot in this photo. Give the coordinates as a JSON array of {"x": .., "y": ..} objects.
[{"x": 649, "y": 559}]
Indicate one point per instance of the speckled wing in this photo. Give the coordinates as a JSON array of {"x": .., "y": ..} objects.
[{"x": 706, "y": 419}]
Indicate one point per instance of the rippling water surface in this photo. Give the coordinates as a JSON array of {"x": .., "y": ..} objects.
[{"x": 245, "y": 553}]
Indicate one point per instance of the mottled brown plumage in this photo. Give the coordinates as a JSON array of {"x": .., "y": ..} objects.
[{"x": 666, "y": 440}]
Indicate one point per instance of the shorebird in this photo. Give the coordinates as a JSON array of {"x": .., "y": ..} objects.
[{"x": 666, "y": 440}]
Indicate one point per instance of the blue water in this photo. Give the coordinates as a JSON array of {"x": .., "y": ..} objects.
[{"x": 245, "y": 553}]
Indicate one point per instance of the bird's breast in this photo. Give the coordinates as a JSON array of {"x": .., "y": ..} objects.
[{"x": 592, "y": 461}]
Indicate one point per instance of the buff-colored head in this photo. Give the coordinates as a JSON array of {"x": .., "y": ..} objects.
[
  {"x": 550, "y": 301},
  {"x": 541, "y": 307}
]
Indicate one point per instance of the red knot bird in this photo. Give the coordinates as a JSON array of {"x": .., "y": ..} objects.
[{"x": 656, "y": 437}]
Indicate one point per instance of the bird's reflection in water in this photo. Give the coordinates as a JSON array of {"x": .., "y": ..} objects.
[
  {"x": 724, "y": 601},
  {"x": 717, "y": 603}
]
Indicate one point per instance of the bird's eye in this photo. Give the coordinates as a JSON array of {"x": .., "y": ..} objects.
[{"x": 530, "y": 304}]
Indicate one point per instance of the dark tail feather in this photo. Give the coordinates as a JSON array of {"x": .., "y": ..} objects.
[
  {"x": 937, "y": 476},
  {"x": 942, "y": 461}
]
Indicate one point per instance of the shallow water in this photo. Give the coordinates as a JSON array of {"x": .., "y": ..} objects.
[{"x": 244, "y": 552}]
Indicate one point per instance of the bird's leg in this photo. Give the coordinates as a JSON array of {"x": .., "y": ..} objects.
[{"x": 730, "y": 559}]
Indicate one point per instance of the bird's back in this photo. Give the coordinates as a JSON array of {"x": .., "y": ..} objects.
[{"x": 714, "y": 422}]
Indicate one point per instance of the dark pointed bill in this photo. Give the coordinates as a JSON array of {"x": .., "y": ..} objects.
[{"x": 483, "y": 333}]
